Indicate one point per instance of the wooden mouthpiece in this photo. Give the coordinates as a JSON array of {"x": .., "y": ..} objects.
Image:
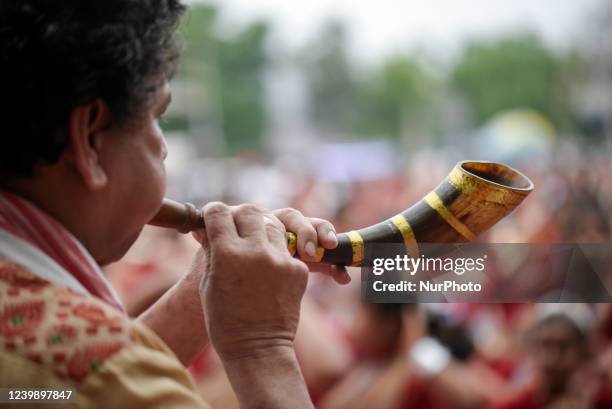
[{"x": 183, "y": 217}]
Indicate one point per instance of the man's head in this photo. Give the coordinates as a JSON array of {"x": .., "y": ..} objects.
[
  {"x": 83, "y": 83},
  {"x": 560, "y": 348}
]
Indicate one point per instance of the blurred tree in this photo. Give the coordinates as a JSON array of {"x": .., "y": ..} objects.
[
  {"x": 242, "y": 61},
  {"x": 330, "y": 81},
  {"x": 386, "y": 102},
  {"x": 516, "y": 72},
  {"x": 200, "y": 41},
  {"x": 196, "y": 108},
  {"x": 593, "y": 96},
  {"x": 395, "y": 100},
  {"x": 222, "y": 77}
]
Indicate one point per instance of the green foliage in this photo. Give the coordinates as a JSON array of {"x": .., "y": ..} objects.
[
  {"x": 242, "y": 60},
  {"x": 385, "y": 102},
  {"x": 398, "y": 98},
  {"x": 227, "y": 73},
  {"x": 329, "y": 76},
  {"x": 395, "y": 99},
  {"x": 197, "y": 32},
  {"x": 511, "y": 73}
]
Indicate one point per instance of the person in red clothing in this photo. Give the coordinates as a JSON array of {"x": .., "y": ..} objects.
[{"x": 558, "y": 348}]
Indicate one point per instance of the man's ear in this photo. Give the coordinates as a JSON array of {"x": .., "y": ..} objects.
[{"x": 86, "y": 126}]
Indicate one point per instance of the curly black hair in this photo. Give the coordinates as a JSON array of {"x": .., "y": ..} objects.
[{"x": 57, "y": 55}]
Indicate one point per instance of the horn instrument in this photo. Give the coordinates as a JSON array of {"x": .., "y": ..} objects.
[{"x": 473, "y": 197}]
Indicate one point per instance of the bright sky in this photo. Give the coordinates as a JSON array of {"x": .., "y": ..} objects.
[{"x": 382, "y": 26}]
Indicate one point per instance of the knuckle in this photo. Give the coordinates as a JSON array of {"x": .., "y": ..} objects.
[
  {"x": 306, "y": 230},
  {"x": 289, "y": 212},
  {"x": 275, "y": 227},
  {"x": 297, "y": 213},
  {"x": 249, "y": 208},
  {"x": 215, "y": 208},
  {"x": 325, "y": 225},
  {"x": 300, "y": 269},
  {"x": 321, "y": 224},
  {"x": 272, "y": 220}
]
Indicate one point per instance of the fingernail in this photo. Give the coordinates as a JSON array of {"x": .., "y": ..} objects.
[
  {"x": 340, "y": 275},
  {"x": 310, "y": 249},
  {"x": 332, "y": 236},
  {"x": 345, "y": 278}
]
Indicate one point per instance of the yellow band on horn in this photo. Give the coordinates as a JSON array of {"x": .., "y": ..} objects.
[
  {"x": 462, "y": 182},
  {"x": 407, "y": 234},
  {"x": 357, "y": 246},
  {"x": 471, "y": 185},
  {"x": 291, "y": 243},
  {"x": 319, "y": 254},
  {"x": 292, "y": 247},
  {"x": 434, "y": 201}
]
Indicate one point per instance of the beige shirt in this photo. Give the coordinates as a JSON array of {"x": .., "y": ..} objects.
[{"x": 54, "y": 337}]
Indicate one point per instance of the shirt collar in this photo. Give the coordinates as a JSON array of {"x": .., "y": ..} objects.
[{"x": 57, "y": 255}]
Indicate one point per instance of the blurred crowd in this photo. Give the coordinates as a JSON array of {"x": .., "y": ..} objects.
[{"x": 429, "y": 356}]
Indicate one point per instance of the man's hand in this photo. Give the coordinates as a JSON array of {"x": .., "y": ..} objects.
[
  {"x": 187, "y": 336},
  {"x": 251, "y": 293},
  {"x": 311, "y": 233},
  {"x": 252, "y": 288}
]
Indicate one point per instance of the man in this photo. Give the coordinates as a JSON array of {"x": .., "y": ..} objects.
[{"x": 81, "y": 172}]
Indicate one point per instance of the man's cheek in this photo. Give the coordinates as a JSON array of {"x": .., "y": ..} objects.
[{"x": 164, "y": 148}]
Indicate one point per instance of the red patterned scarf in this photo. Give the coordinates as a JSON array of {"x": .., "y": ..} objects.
[{"x": 24, "y": 220}]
